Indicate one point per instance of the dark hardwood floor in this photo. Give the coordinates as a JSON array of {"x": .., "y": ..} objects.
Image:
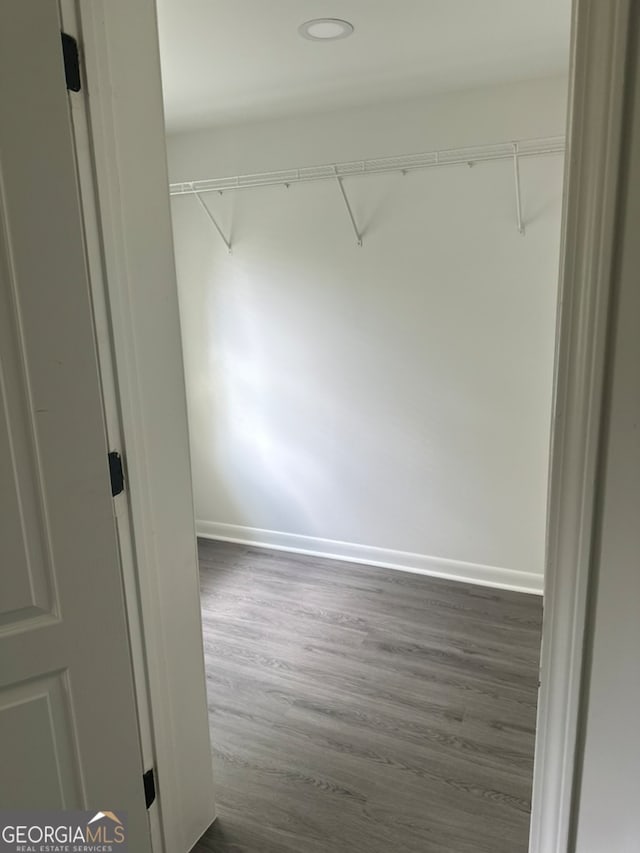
[{"x": 361, "y": 710}]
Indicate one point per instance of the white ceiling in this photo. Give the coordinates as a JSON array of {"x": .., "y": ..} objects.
[{"x": 228, "y": 61}]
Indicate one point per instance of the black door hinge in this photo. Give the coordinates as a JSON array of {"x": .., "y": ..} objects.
[
  {"x": 116, "y": 472},
  {"x": 71, "y": 58},
  {"x": 149, "y": 782}
]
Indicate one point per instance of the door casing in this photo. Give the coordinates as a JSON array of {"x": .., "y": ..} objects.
[
  {"x": 598, "y": 82},
  {"x": 122, "y": 163}
]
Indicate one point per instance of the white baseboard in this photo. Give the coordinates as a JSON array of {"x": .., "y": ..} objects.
[{"x": 405, "y": 561}]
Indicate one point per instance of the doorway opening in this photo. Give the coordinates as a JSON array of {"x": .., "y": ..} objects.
[{"x": 367, "y": 234}]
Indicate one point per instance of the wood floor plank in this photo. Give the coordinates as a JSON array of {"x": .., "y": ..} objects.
[{"x": 362, "y": 709}]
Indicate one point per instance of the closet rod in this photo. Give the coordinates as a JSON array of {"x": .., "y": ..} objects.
[{"x": 403, "y": 163}]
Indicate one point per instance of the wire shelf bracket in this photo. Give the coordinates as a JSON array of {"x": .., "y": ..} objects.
[
  {"x": 352, "y": 218},
  {"x": 516, "y": 176},
  {"x": 213, "y": 220}
]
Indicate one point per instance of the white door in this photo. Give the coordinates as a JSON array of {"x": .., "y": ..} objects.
[{"x": 68, "y": 726}]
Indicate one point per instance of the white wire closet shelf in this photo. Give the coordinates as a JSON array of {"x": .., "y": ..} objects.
[{"x": 512, "y": 150}]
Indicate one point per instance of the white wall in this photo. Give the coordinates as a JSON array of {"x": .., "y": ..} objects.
[{"x": 396, "y": 395}]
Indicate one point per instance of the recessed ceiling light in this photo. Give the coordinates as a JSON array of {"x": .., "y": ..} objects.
[{"x": 325, "y": 29}]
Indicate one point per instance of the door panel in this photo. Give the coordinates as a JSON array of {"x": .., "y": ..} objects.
[
  {"x": 25, "y": 581},
  {"x": 37, "y": 712},
  {"x": 68, "y": 722}
]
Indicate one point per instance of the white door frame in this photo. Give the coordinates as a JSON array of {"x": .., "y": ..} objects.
[
  {"x": 596, "y": 116},
  {"x": 596, "y": 113},
  {"x": 119, "y": 127}
]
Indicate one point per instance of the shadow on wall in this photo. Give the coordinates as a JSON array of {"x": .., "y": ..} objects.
[{"x": 396, "y": 395}]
